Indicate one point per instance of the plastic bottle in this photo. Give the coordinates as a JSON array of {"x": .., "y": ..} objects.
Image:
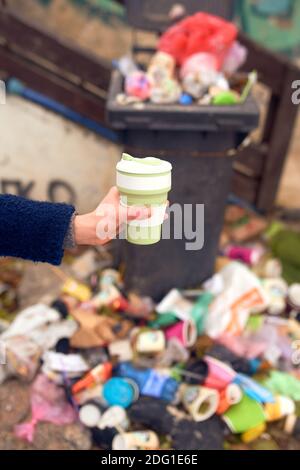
[
  {"x": 149, "y": 381},
  {"x": 99, "y": 374}
]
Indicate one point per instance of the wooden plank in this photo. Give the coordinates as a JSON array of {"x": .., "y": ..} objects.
[
  {"x": 271, "y": 66},
  {"x": 280, "y": 135},
  {"x": 64, "y": 54},
  {"x": 277, "y": 73},
  {"x": 245, "y": 187},
  {"x": 250, "y": 160},
  {"x": 274, "y": 103},
  {"x": 70, "y": 95}
]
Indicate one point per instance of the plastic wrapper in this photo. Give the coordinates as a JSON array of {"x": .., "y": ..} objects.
[
  {"x": 220, "y": 375},
  {"x": 34, "y": 330},
  {"x": 23, "y": 357},
  {"x": 97, "y": 330},
  {"x": 244, "y": 346},
  {"x": 242, "y": 295},
  {"x": 235, "y": 58},
  {"x": 30, "y": 319},
  {"x": 284, "y": 384},
  {"x": 138, "y": 84},
  {"x": 48, "y": 403},
  {"x": 253, "y": 389},
  {"x": 198, "y": 73},
  {"x": 161, "y": 66},
  {"x": 167, "y": 92},
  {"x": 126, "y": 65},
  {"x": 200, "y": 62},
  {"x": 55, "y": 364}
]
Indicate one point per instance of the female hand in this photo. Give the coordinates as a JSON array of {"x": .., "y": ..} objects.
[{"x": 107, "y": 220}]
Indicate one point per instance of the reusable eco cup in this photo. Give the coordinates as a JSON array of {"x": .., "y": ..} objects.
[{"x": 144, "y": 181}]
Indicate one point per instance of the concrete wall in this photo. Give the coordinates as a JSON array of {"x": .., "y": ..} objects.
[{"x": 44, "y": 156}]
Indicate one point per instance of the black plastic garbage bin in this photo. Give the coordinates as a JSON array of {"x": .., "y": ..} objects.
[
  {"x": 156, "y": 16},
  {"x": 199, "y": 141}
]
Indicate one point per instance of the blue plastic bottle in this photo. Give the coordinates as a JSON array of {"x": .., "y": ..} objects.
[{"x": 149, "y": 381}]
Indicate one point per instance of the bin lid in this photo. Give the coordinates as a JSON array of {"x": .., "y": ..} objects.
[{"x": 155, "y": 16}]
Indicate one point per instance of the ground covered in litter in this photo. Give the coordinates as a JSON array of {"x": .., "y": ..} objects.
[{"x": 87, "y": 364}]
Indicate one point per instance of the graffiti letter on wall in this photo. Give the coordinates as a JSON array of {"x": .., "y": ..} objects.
[
  {"x": 57, "y": 187},
  {"x": 17, "y": 187}
]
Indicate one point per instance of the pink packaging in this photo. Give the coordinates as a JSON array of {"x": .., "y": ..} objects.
[{"x": 48, "y": 403}]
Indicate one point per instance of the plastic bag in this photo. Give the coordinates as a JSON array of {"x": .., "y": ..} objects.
[
  {"x": 48, "y": 403},
  {"x": 161, "y": 67},
  {"x": 126, "y": 65},
  {"x": 198, "y": 73},
  {"x": 201, "y": 32},
  {"x": 30, "y": 319},
  {"x": 284, "y": 384},
  {"x": 235, "y": 58},
  {"x": 23, "y": 357},
  {"x": 138, "y": 84},
  {"x": 242, "y": 294},
  {"x": 244, "y": 346},
  {"x": 196, "y": 63},
  {"x": 167, "y": 92},
  {"x": 34, "y": 330}
]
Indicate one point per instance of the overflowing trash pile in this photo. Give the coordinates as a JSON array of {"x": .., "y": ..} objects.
[
  {"x": 196, "y": 61},
  {"x": 208, "y": 368}
]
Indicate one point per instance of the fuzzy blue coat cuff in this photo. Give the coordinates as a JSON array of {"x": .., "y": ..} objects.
[{"x": 33, "y": 230}]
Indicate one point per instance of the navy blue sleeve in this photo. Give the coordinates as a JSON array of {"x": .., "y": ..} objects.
[{"x": 33, "y": 230}]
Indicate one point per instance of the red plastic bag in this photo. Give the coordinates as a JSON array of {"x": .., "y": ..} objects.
[{"x": 201, "y": 32}]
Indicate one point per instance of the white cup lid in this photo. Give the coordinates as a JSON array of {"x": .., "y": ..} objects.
[
  {"x": 143, "y": 166},
  {"x": 89, "y": 415}
]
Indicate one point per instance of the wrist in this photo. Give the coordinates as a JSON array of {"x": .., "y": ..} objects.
[
  {"x": 69, "y": 241},
  {"x": 85, "y": 229}
]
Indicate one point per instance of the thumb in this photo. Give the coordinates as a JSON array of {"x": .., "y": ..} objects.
[{"x": 134, "y": 213}]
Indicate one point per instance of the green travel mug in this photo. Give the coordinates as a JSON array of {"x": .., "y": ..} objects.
[{"x": 144, "y": 182}]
